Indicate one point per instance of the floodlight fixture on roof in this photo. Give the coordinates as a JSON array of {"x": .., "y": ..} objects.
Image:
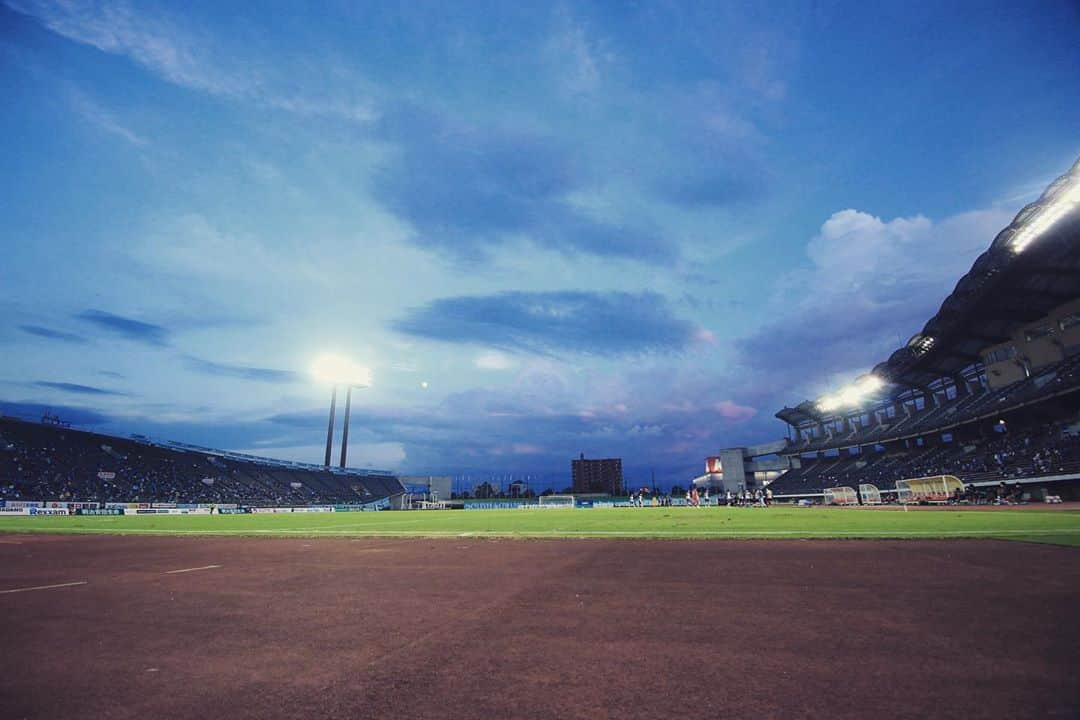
[
  {"x": 851, "y": 395},
  {"x": 921, "y": 344},
  {"x": 828, "y": 403},
  {"x": 1065, "y": 201}
]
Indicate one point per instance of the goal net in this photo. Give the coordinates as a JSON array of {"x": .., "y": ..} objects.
[
  {"x": 870, "y": 494},
  {"x": 556, "y": 501},
  {"x": 936, "y": 489},
  {"x": 841, "y": 496}
]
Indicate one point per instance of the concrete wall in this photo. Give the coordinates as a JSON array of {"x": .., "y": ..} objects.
[
  {"x": 1067, "y": 321},
  {"x": 1034, "y": 345}
]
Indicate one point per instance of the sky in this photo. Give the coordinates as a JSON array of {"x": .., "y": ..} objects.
[{"x": 626, "y": 229}]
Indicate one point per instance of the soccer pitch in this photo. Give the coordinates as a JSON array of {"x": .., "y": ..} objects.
[{"x": 1030, "y": 524}]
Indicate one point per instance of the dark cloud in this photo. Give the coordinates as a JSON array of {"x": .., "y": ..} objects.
[
  {"x": 865, "y": 332},
  {"x": 241, "y": 372},
  {"x": 134, "y": 330},
  {"x": 609, "y": 324},
  {"x": 76, "y": 388},
  {"x": 49, "y": 333},
  {"x": 466, "y": 190},
  {"x": 715, "y": 160},
  {"x": 722, "y": 186}
]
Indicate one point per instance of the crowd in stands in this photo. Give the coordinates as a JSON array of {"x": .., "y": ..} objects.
[
  {"x": 1045, "y": 450},
  {"x": 45, "y": 462}
]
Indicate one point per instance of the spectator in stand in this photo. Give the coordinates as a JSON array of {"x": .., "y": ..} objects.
[{"x": 45, "y": 462}]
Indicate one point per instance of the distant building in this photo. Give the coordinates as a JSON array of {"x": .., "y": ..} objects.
[
  {"x": 431, "y": 487},
  {"x": 739, "y": 469},
  {"x": 597, "y": 476}
]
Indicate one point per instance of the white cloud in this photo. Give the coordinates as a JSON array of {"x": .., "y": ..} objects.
[
  {"x": 645, "y": 431},
  {"x": 576, "y": 57},
  {"x": 872, "y": 283},
  {"x": 734, "y": 411},
  {"x": 493, "y": 360},
  {"x": 97, "y": 115},
  {"x": 171, "y": 48},
  {"x": 158, "y": 44},
  {"x": 855, "y": 251}
]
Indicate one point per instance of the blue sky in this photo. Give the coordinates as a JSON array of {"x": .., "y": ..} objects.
[{"x": 629, "y": 229}]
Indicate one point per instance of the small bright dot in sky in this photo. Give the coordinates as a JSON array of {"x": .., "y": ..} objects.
[{"x": 424, "y": 384}]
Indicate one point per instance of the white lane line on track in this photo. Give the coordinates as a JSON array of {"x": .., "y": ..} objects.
[
  {"x": 187, "y": 570},
  {"x": 43, "y": 587},
  {"x": 10, "y": 542}
]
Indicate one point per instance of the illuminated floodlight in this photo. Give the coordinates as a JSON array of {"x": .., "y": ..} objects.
[
  {"x": 1063, "y": 204},
  {"x": 869, "y": 384},
  {"x": 338, "y": 370},
  {"x": 828, "y": 403},
  {"x": 851, "y": 395}
]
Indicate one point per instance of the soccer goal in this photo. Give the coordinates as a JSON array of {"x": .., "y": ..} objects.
[
  {"x": 870, "y": 494},
  {"x": 556, "y": 501},
  {"x": 841, "y": 496},
  {"x": 935, "y": 489}
]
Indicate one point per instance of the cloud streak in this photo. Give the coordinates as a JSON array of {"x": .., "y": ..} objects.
[
  {"x": 127, "y": 328},
  {"x": 166, "y": 46},
  {"x": 157, "y": 44},
  {"x": 467, "y": 190},
  {"x": 607, "y": 324},
  {"x": 105, "y": 120},
  {"x": 241, "y": 372},
  {"x": 50, "y": 334},
  {"x": 77, "y": 389}
]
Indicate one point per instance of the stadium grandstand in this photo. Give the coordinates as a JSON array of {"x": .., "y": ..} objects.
[
  {"x": 987, "y": 391},
  {"x": 46, "y": 461}
]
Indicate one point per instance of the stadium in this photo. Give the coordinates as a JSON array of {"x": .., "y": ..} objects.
[
  {"x": 541, "y": 260},
  {"x": 984, "y": 394},
  {"x": 970, "y": 429}
]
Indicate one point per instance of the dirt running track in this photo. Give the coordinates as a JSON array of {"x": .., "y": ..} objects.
[{"x": 455, "y": 629}]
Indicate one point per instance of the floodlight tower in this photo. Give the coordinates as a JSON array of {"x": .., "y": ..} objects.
[
  {"x": 330, "y": 425},
  {"x": 339, "y": 371},
  {"x": 345, "y": 430}
]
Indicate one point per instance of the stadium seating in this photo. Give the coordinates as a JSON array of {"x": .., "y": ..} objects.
[
  {"x": 1046, "y": 382},
  {"x": 1040, "y": 451},
  {"x": 46, "y": 462}
]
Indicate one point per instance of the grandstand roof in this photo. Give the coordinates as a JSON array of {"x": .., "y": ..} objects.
[{"x": 1031, "y": 267}]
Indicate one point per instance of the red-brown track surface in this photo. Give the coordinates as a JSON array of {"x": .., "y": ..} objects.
[{"x": 297, "y": 628}]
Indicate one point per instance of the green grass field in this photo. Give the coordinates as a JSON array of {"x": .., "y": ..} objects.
[{"x": 1030, "y": 524}]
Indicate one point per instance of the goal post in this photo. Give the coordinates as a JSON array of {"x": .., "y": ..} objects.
[
  {"x": 842, "y": 495},
  {"x": 556, "y": 501},
  {"x": 934, "y": 489},
  {"x": 870, "y": 494}
]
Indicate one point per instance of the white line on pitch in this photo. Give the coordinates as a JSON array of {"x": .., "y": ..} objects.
[
  {"x": 42, "y": 587},
  {"x": 204, "y": 567}
]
